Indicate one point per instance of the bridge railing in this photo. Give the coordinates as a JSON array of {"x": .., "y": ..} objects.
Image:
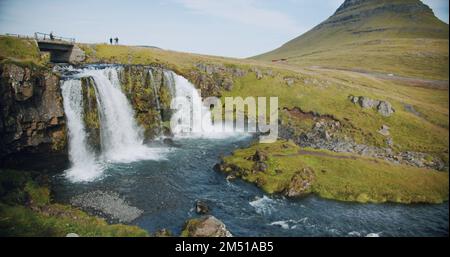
[
  {"x": 18, "y": 36},
  {"x": 44, "y": 36}
]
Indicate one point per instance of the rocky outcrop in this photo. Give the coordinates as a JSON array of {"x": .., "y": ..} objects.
[
  {"x": 300, "y": 183},
  {"x": 207, "y": 226},
  {"x": 201, "y": 207},
  {"x": 383, "y": 107},
  {"x": 149, "y": 91},
  {"x": 211, "y": 78},
  {"x": 32, "y": 120},
  {"x": 325, "y": 132},
  {"x": 91, "y": 114}
]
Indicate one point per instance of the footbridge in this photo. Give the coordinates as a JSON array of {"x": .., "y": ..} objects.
[{"x": 61, "y": 49}]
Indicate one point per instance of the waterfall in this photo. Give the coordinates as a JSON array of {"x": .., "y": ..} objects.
[
  {"x": 83, "y": 163},
  {"x": 121, "y": 138},
  {"x": 194, "y": 119}
]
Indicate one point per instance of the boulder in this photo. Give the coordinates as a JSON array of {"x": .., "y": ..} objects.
[
  {"x": 384, "y": 131},
  {"x": 300, "y": 183},
  {"x": 207, "y": 226},
  {"x": 201, "y": 207},
  {"x": 259, "y": 156},
  {"x": 385, "y": 109},
  {"x": 366, "y": 102}
]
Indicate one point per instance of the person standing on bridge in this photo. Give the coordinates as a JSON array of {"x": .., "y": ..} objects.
[
  {"x": 116, "y": 40},
  {"x": 51, "y": 36}
]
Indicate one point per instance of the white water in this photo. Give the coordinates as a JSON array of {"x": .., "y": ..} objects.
[
  {"x": 194, "y": 118},
  {"x": 121, "y": 138},
  {"x": 84, "y": 165}
]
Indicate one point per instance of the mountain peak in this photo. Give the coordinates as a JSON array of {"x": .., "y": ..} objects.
[{"x": 379, "y": 34}]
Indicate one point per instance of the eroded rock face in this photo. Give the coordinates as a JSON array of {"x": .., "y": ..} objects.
[
  {"x": 207, "y": 226},
  {"x": 326, "y": 133},
  {"x": 148, "y": 91},
  {"x": 32, "y": 119},
  {"x": 212, "y": 78}
]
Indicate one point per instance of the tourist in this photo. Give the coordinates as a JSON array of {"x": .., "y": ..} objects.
[
  {"x": 117, "y": 40},
  {"x": 110, "y": 40}
]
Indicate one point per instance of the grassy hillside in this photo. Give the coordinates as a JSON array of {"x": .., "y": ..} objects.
[
  {"x": 20, "y": 50},
  {"x": 402, "y": 37}
]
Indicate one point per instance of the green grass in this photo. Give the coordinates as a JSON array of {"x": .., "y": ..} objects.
[
  {"x": 26, "y": 209},
  {"x": 322, "y": 91},
  {"x": 406, "y": 44},
  {"x": 20, "y": 50},
  {"x": 341, "y": 176},
  {"x": 329, "y": 96}
]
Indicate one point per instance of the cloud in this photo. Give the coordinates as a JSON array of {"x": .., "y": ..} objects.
[{"x": 245, "y": 12}]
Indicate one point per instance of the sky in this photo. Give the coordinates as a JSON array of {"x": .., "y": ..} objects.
[{"x": 233, "y": 28}]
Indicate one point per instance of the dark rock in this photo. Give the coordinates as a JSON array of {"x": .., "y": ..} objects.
[
  {"x": 259, "y": 156},
  {"x": 201, "y": 207},
  {"x": 32, "y": 119}
]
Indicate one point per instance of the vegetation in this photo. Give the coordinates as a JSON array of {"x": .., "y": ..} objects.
[
  {"x": 342, "y": 177},
  {"x": 26, "y": 209},
  {"x": 20, "y": 51},
  {"x": 405, "y": 40}
]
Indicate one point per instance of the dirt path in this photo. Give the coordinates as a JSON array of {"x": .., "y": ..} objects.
[{"x": 410, "y": 81}]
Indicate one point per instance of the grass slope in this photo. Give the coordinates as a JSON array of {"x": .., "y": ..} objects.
[
  {"x": 401, "y": 37},
  {"x": 341, "y": 176}
]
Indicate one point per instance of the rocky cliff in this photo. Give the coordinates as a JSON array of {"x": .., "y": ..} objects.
[{"x": 32, "y": 120}]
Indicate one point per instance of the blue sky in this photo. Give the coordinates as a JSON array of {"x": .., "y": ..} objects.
[{"x": 235, "y": 28}]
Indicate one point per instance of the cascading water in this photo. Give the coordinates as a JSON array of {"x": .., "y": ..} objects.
[
  {"x": 121, "y": 138},
  {"x": 195, "y": 119},
  {"x": 84, "y": 165}
]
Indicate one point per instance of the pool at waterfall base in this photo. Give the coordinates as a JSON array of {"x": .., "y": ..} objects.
[{"x": 166, "y": 190}]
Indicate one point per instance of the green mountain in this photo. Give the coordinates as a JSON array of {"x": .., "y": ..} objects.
[{"x": 390, "y": 36}]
